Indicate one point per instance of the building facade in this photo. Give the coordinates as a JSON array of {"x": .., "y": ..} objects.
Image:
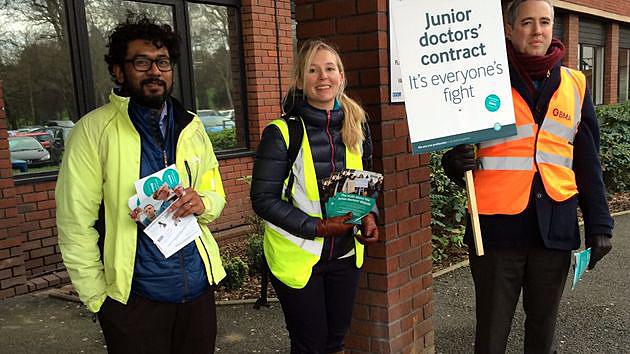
[{"x": 234, "y": 68}]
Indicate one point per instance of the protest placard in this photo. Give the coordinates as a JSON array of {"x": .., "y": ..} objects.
[{"x": 454, "y": 72}]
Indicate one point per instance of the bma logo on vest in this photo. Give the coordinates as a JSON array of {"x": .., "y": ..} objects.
[{"x": 560, "y": 114}]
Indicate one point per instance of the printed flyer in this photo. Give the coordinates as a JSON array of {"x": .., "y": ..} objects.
[
  {"x": 149, "y": 208},
  {"x": 351, "y": 191}
]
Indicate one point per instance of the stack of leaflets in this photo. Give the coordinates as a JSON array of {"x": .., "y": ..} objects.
[
  {"x": 351, "y": 191},
  {"x": 582, "y": 259},
  {"x": 149, "y": 208}
]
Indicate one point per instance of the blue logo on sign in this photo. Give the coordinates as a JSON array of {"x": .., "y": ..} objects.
[{"x": 493, "y": 103}]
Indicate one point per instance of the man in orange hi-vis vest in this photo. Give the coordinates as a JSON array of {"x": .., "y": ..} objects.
[{"x": 529, "y": 186}]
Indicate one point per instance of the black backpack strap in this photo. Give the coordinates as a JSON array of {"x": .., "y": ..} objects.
[{"x": 296, "y": 134}]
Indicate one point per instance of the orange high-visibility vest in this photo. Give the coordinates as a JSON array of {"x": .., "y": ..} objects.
[{"x": 504, "y": 178}]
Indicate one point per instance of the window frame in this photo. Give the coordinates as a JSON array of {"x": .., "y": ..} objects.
[
  {"x": 597, "y": 83},
  {"x": 82, "y": 69}
]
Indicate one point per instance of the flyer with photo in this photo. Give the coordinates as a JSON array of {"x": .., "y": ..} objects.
[
  {"x": 351, "y": 191},
  {"x": 149, "y": 208}
]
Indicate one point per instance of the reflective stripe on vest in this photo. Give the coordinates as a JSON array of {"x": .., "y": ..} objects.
[
  {"x": 291, "y": 258},
  {"x": 507, "y": 166}
]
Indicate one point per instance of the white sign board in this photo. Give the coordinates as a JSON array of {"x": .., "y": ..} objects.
[
  {"x": 454, "y": 72},
  {"x": 396, "y": 94}
]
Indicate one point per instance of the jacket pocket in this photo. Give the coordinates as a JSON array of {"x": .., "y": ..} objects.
[{"x": 563, "y": 222}]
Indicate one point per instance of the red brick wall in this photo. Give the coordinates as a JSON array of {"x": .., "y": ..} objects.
[
  {"x": 393, "y": 308},
  {"x": 264, "y": 90},
  {"x": 570, "y": 40},
  {"x": 611, "y": 63},
  {"x": 36, "y": 214},
  {"x": 619, "y": 7},
  {"x": 238, "y": 206},
  {"x": 12, "y": 270}
]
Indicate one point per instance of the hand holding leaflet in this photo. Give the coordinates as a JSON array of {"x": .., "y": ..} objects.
[
  {"x": 351, "y": 191},
  {"x": 166, "y": 209}
]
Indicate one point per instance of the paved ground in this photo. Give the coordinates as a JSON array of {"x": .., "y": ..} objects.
[{"x": 594, "y": 318}]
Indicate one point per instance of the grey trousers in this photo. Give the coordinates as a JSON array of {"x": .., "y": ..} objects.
[{"x": 499, "y": 277}]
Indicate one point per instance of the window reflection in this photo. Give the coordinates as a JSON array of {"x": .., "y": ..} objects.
[
  {"x": 102, "y": 16},
  {"x": 37, "y": 79},
  {"x": 217, "y": 73},
  {"x": 624, "y": 73}
]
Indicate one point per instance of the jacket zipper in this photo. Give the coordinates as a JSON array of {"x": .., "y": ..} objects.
[
  {"x": 537, "y": 112},
  {"x": 181, "y": 266},
  {"x": 332, "y": 164}
]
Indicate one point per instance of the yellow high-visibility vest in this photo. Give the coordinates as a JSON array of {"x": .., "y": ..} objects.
[{"x": 291, "y": 258}]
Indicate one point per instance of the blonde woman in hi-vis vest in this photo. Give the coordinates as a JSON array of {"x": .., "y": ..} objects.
[{"x": 314, "y": 260}]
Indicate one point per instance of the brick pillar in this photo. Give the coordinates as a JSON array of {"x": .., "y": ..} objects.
[
  {"x": 611, "y": 63},
  {"x": 264, "y": 88},
  {"x": 570, "y": 40},
  {"x": 12, "y": 270},
  {"x": 393, "y": 308}
]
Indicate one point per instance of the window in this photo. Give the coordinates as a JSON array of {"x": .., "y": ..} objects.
[
  {"x": 38, "y": 83},
  {"x": 592, "y": 65},
  {"x": 624, "y": 73},
  {"x": 214, "y": 43},
  {"x": 102, "y": 16},
  {"x": 53, "y": 69}
]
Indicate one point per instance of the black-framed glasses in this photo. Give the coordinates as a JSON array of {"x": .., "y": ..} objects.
[{"x": 145, "y": 64}]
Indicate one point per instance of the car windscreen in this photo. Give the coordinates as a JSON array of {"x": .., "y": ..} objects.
[{"x": 19, "y": 144}]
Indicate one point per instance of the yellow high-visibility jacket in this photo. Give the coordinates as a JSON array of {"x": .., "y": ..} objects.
[{"x": 100, "y": 164}]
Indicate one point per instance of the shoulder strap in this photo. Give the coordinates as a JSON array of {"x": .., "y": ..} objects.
[{"x": 296, "y": 134}]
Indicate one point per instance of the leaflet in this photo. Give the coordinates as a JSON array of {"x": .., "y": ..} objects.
[
  {"x": 149, "y": 208},
  {"x": 581, "y": 263},
  {"x": 351, "y": 191}
]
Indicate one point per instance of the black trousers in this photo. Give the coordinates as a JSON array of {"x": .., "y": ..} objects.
[
  {"x": 499, "y": 276},
  {"x": 145, "y": 326},
  {"x": 318, "y": 315}
]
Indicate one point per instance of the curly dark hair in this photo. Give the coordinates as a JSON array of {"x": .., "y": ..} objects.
[{"x": 140, "y": 27}]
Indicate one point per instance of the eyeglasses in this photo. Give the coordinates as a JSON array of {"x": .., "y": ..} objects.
[{"x": 145, "y": 64}]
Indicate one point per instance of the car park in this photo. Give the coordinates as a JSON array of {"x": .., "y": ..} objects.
[
  {"x": 27, "y": 148},
  {"x": 57, "y": 134},
  {"x": 54, "y": 147},
  {"x": 65, "y": 125},
  {"x": 215, "y": 121}
]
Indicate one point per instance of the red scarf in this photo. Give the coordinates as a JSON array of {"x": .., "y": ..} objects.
[{"x": 535, "y": 67}]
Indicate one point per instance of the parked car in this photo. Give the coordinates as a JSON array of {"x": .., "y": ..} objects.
[
  {"x": 65, "y": 125},
  {"x": 54, "y": 147},
  {"x": 28, "y": 149},
  {"x": 214, "y": 121},
  {"x": 56, "y": 132}
]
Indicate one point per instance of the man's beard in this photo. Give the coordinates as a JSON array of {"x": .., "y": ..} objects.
[{"x": 153, "y": 101}]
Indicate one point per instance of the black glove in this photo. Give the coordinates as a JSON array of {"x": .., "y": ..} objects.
[
  {"x": 462, "y": 159},
  {"x": 334, "y": 227},
  {"x": 600, "y": 246}
]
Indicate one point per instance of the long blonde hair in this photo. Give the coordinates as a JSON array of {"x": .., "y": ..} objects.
[{"x": 354, "y": 115}]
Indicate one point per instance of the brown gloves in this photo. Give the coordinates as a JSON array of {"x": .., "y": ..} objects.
[
  {"x": 336, "y": 226},
  {"x": 333, "y": 227},
  {"x": 369, "y": 230}
]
